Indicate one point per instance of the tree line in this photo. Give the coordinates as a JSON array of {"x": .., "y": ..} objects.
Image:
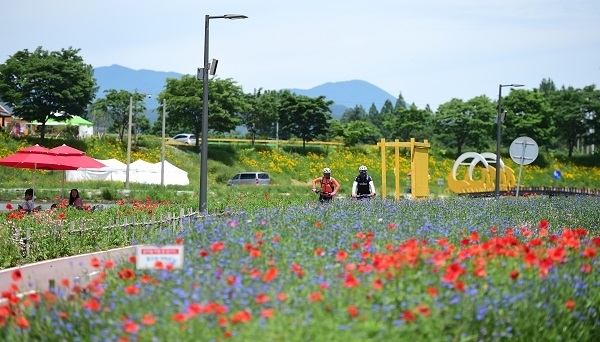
[{"x": 39, "y": 84}]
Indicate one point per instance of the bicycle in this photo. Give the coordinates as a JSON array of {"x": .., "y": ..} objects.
[
  {"x": 363, "y": 197},
  {"x": 324, "y": 197}
]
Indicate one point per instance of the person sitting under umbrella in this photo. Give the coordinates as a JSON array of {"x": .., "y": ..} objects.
[
  {"x": 75, "y": 200},
  {"x": 27, "y": 203}
]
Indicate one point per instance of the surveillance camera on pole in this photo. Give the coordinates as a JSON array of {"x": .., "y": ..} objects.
[{"x": 213, "y": 66}]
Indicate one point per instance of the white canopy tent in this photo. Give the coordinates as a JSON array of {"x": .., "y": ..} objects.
[{"x": 140, "y": 171}]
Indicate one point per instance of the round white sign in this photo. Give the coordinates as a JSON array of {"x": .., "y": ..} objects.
[{"x": 524, "y": 150}]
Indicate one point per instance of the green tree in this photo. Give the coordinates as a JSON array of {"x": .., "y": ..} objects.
[
  {"x": 528, "y": 113},
  {"x": 569, "y": 107},
  {"x": 408, "y": 123},
  {"x": 184, "y": 103},
  {"x": 41, "y": 83},
  {"x": 356, "y": 132},
  {"x": 547, "y": 86},
  {"x": 261, "y": 113},
  {"x": 305, "y": 117},
  {"x": 458, "y": 124},
  {"x": 400, "y": 103},
  {"x": 592, "y": 105},
  {"x": 375, "y": 117},
  {"x": 355, "y": 114},
  {"x": 115, "y": 105}
]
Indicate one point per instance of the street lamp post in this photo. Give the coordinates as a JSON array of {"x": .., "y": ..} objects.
[
  {"x": 162, "y": 151},
  {"x": 129, "y": 139},
  {"x": 129, "y": 142},
  {"x": 499, "y": 134},
  {"x": 204, "y": 143}
]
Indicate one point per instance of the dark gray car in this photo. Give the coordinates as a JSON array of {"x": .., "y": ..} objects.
[{"x": 250, "y": 178}]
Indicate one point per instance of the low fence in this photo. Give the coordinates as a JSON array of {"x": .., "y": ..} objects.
[
  {"x": 175, "y": 222},
  {"x": 539, "y": 190}
]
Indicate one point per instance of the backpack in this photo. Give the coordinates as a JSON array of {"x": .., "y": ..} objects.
[{"x": 330, "y": 184}]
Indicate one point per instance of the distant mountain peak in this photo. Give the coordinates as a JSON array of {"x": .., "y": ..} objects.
[
  {"x": 344, "y": 94},
  {"x": 349, "y": 93}
]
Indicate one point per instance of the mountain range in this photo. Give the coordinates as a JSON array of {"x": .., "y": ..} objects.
[{"x": 345, "y": 94}]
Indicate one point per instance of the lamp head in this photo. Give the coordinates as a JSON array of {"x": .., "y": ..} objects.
[{"x": 234, "y": 16}]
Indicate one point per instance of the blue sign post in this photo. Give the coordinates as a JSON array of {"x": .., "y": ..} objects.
[{"x": 557, "y": 174}]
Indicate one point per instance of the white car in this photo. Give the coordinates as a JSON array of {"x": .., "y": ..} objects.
[{"x": 185, "y": 138}]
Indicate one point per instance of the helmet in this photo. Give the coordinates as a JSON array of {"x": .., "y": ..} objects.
[
  {"x": 362, "y": 168},
  {"x": 326, "y": 170}
]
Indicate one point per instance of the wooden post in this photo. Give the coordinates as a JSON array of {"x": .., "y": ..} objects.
[
  {"x": 397, "y": 168},
  {"x": 383, "y": 180}
]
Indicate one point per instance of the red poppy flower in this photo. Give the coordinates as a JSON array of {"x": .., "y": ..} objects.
[
  {"x": 570, "y": 305},
  {"x": 132, "y": 290},
  {"x": 35, "y": 297},
  {"x": 148, "y": 319},
  {"x": 16, "y": 275},
  {"x": 22, "y": 322},
  {"x": 297, "y": 269},
  {"x": 217, "y": 246},
  {"x": 586, "y": 268},
  {"x": 130, "y": 327},
  {"x": 127, "y": 274},
  {"x": 589, "y": 252},
  {"x": 543, "y": 224},
  {"x": 179, "y": 317},
  {"x": 407, "y": 316},
  {"x": 514, "y": 274},
  {"x": 352, "y": 311},
  {"x": 95, "y": 262},
  {"x": 341, "y": 256},
  {"x": 255, "y": 253},
  {"x": 377, "y": 284},
  {"x": 432, "y": 291},
  {"x": 9, "y": 206},
  {"x": 270, "y": 275},
  {"x": 92, "y": 304},
  {"x": 267, "y": 313},
  {"x": 230, "y": 279},
  {"x": 423, "y": 310},
  {"x": 350, "y": 281},
  {"x": 480, "y": 272},
  {"x": 243, "y": 316},
  {"x": 315, "y": 297},
  {"x": 261, "y": 298}
]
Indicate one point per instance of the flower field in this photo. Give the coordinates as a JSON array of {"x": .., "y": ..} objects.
[{"x": 441, "y": 270}]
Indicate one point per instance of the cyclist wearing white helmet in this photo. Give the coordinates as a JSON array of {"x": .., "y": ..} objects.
[
  {"x": 363, "y": 184},
  {"x": 328, "y": 186}
]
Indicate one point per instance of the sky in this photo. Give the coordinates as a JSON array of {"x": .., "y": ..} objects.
[{"x": 431, "y": 51}]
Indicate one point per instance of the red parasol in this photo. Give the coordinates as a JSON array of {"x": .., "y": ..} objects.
[
  {"x": 36, "y": 157},
  {"x": 75, "y": 158}
]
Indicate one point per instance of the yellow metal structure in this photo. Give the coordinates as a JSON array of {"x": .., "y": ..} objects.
[
  {"x": 419, "y": 167},
  {"x": 487, "y": 181}
]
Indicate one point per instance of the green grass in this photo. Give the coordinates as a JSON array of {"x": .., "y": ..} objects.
[{"x": 291, "y": 168}]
